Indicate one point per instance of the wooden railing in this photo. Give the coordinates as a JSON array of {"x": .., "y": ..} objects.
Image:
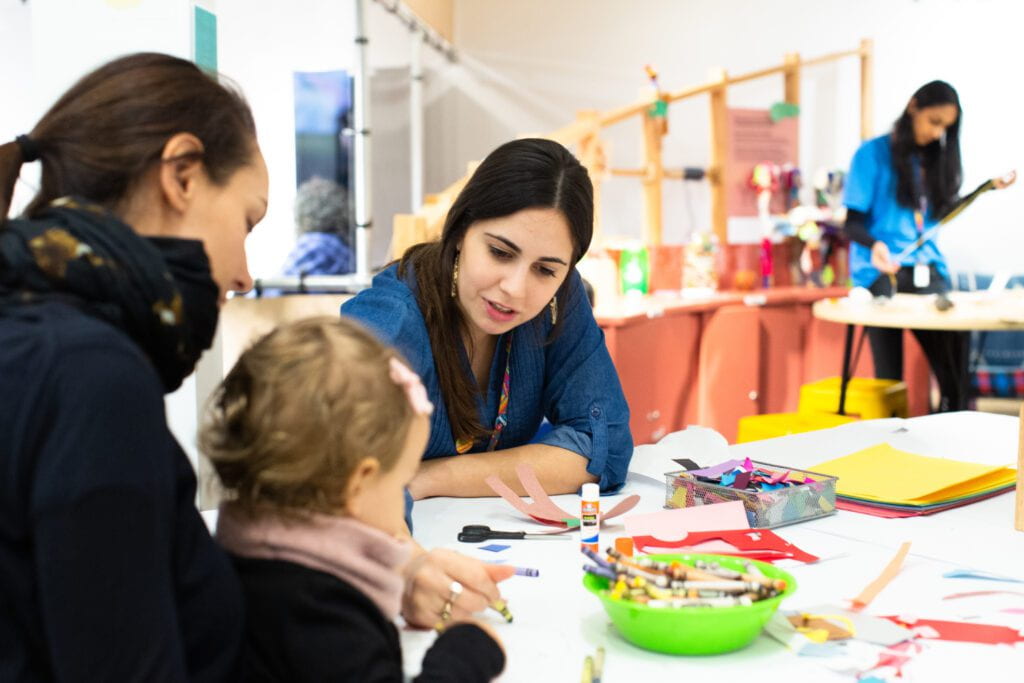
[{"x": 584, "y": 135}]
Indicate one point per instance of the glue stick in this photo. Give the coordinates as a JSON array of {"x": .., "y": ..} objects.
[{"x": 590, "y": 512}]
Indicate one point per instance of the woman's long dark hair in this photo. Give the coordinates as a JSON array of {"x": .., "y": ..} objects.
[
  {"x": 522, "y": 174},
  {"x": 103, "y": 134},
  {"x": 940, "y": 160}
]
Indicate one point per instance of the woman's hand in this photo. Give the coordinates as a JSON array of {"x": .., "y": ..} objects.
[
  {"x": 881, "y": 259},
  {"x": 429, "y": 579},
  {"x": 1002, "y": 182}
]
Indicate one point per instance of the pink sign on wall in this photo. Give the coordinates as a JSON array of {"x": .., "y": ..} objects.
[{"x": 753, "y": 138}]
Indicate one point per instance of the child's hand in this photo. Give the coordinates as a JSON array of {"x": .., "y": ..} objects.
[
  {"x": 428, "y": 586},
  {"x": 486, "y": 628},
  {"x": 1004, "y": 181}
]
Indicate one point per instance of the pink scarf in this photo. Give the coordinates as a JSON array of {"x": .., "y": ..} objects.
[{"x": 349, "y": 549}]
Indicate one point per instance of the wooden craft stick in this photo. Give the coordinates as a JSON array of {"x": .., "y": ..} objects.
[
  {"x": 1018, "y": 521},
  {"x": 887, "y": 575}
]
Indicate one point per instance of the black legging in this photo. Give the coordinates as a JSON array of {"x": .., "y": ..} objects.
[{"x": 947, "y": 352}]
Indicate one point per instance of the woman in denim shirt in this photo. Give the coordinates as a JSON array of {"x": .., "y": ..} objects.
[{"x": 495, "y": 320}]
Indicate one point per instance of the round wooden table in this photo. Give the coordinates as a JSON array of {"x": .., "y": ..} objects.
[{"x": 971, "y": 311}]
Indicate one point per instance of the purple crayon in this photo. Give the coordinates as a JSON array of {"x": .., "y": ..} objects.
[{"x": 527, "y": 571}]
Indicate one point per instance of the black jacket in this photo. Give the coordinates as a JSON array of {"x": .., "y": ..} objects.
[
  {"x": 107, "y": 571},
  {"x": 306, "y": 625}
]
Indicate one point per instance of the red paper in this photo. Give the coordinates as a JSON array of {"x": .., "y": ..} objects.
[
  {"x": 753, "y": 543},
  {"x": 960, "y": 631}
]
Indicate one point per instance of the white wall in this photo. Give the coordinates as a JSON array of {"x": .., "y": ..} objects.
[
  {"x": 262, "y": 45},
  {"x": 15, "y": 68},
  {"x": 530, "y": 65}
]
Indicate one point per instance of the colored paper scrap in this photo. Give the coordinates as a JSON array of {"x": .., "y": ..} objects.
[
  {"x": 978, "y": 594},
  {"x": 686, "y": 464},
  {"x": 959, "y": 631},
  {"x": 495, "y": 547},
  {"x": 976, "y": 574},
  {"x": 673, "y": 524},
  {"x": 868, "y": 628},
  {"x": 820, "y": 628},
  {"x": 719, "y": 469},
  {"x": 885, "y": 474},
  {"x": 742, "y": 480},
  {"x": 888, "y": 574}
]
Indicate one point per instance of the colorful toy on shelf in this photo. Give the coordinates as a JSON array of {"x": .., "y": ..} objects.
[
  {"x": 659, "y": 108},
  {"x": 699, "y": 271},
  {"x": 828, "y": 187},
  {"x": 764, "y": 179},
  {"x": 791, "y": 181}
]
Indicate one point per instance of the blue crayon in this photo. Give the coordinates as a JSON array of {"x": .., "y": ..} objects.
[
  {"x": 595, "y": 557},
  {"x": 600, "y": 571}
]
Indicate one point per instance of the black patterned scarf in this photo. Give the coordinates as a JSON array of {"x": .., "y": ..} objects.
[{"x": 157, "y": 290}]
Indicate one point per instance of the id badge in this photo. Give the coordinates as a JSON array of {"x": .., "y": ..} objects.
[{"x": 922, "y": 275}]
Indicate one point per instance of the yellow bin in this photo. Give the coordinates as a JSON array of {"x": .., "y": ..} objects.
[
  {"x": 757, "y": 427},
  {"x": 866, "y": 398}
]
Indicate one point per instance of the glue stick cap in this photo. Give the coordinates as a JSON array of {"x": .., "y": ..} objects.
[{"x": 591, "y": 492}]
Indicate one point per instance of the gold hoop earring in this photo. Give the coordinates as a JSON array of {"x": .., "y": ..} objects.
[
  {"x": 455, "y": 277},
  {"x": 554, "y": 310}
]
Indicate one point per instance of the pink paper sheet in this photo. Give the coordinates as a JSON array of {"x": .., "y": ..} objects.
[{"x": 672, "y": 525}]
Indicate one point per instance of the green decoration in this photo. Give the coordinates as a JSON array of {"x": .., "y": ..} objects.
[
  {"x": 784, "y": 110},
  {"x": 659, "y": 109}
]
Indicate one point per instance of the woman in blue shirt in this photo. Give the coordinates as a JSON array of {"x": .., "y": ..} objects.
[
  {"x": 494, "y": 318},
  {"x": 900, "y": 185}
]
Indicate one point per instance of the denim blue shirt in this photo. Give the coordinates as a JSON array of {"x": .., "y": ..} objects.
[
  {"x": 570, "y": 381},
  {"x": 871, "y": 189}
]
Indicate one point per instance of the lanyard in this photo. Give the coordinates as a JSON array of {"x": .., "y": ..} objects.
[
  {"x": 922, "y": 204},
  {"x": 463, "y": 445}
]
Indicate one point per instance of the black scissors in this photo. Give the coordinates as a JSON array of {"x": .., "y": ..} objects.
[{"x": 475, "y": 533}]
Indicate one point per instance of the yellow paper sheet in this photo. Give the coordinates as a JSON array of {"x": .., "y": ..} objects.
[{"x": 884, "y": 474}]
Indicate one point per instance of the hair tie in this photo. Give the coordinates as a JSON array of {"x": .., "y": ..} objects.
[
  {"x": 414, "y": 389},
  {"x": 29, "y": 148}
]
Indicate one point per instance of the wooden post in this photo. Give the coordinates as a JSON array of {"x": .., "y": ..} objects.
[
  {"x": 407, "y": 230},
  {"x": 592, "y": 157},
  {"x": 719, "y": 150},
  {"x": 866, "y": 101},
  {"x": 792, "y": 78},
  {"x": 653, "y": 175},
  {"x": 1018, "y": 521}
]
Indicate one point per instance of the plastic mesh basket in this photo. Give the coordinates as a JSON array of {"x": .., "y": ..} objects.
[{"x": 765, "y": 509}]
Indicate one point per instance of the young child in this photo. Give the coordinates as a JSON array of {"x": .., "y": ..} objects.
[{"x": 314, "y": 434}]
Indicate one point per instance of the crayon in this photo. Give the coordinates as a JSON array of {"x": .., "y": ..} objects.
[
  {"x": 502, "y": 608},
  {"x": 595, "y": 557},
  {"x": 598, "y": 665},
  {"x": 600, "y": 571},
  {"x": 527, "y": 571},
  {"x": 588, "y": 670}
]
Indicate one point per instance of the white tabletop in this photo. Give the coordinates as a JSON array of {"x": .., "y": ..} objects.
[{"x": 557, "y": 623}]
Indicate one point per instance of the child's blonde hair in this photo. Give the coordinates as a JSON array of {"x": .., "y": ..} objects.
[{"x": 300, "y": 408}]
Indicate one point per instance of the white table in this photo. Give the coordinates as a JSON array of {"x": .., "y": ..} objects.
[{"x": 557, "y": 622}]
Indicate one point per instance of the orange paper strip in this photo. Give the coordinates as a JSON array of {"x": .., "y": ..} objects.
[{"x": 888, "y": 574}]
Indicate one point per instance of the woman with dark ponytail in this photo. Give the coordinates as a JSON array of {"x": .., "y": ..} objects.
[
  {"x": 901, "y": 185},
  {"x": 110, "y": 286}
]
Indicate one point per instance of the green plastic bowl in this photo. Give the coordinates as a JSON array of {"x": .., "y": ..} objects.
[{"x": 692, "y": 630}]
